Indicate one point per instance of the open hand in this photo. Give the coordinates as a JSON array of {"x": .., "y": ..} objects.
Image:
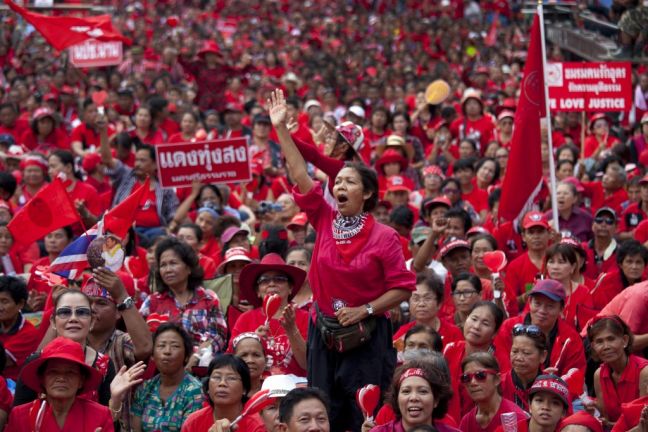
[
  {"x": 125, "y": 380},
  {"x": 287, "y": 320},
  {"x": 277, "y": 108}
]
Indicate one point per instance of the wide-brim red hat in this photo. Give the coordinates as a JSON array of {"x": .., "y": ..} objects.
[
  {"x": 391, "y": 155},
  {"x": 60, "y": 349},
  {"x": 210, "y": 47},
  {"x": 270, "y": 262}
]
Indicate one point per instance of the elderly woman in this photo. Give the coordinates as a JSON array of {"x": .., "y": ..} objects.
[
  {"x": 226, "y": 390},
  {"x": 360, "y": 275},
  {"x": 61, "y": 374},
  {"x": 72, "y": 319},
  {"x": 622, "y": 376},
  {"x": 165, "y": 401},
  {"x": 419, "y": 396},
  {"x": 181, "y": 296},
  {"x": 34, "y": 170},
  {"x": 250, "y": 348},
  {"x": 285, "y": 332},
  {"x": 528, "y": 353},
  {"x": 482, "y": 379},
  {"x": 572, "y": 220}
]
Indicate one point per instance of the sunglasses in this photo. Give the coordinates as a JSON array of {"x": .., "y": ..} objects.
[
  {"x": 266, "y": 280},
  {"x": 480, "y": 376},
  {"x": 66, "y": 312},
  {"x": 604, "y": 220},
  {"x": 526, "y": 330}
]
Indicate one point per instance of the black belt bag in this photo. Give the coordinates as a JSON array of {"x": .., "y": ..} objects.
[{"x": 343, "y": 339}]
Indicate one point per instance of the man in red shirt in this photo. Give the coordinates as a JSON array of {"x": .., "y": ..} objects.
[
  {"x": 601, "y": 250},
  {"x": 10, "y": 123},
  {"x": 610, "y": 191},
  {"x": 473, "y": 124},
  {"x": 85, "y": 137},
  {"x": 464, "y": 171}
]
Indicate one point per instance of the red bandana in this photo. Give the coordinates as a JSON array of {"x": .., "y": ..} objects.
[{"x": 351, "y": 235}]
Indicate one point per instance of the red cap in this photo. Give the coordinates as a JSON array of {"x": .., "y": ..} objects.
[
  {"x": 598, "y": 116},
  {"x": 451, "y": 244},
  {"x": 577, "y": 183},
  {"x": 534, "y": 218},
  {"x": 477, "y": 230},
  {"x": 390, "y": 156},
  {"x": 582, "y": 418},
  {"x": 644, "y": 179},
  {"x": 549, "y": 288},
  {"x": 210, "y": 47},
  {"x": 90, "y": 162},
  {"x": 39, "y": 113},
  {"x": 505, "y": 114},
  {"x": 233, "y": 254},
  {"x": 440, "y": 200},
  {"x": 551, "y": 384},
  {"x": 397, "y": 183},
  {"x": 300, "y": 220}
]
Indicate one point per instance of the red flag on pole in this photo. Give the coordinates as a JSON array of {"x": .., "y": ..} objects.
[
  {"x": 120, "y": 218},
  {"x": 524, "y": 169},
  {"x": 50, "y": 209},
  {"x": 63, "y": 32},
  {"x": 491, "y": 38}
]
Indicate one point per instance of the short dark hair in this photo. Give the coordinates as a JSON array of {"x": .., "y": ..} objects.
[
  {"x": 631, "y": 247},
  {"x": 8, "y": 183},
  {"x": 438, "y": 381},
  {"x": 565, "y": 250},
  {"x": 402, "y": 215},
  {"x": 468, "y": 277},
  {"x": 484, "y": 236},
  {"x": 465, "y": 163},
  {"x": 149, "y": 148},
  {"x": 433, "y": 283},
  {"x": 437, "y": 342},
  {"x": 16, "y": 288},
  {"x": 195, "y": 228},
  {"x": 297, "y": 395},
  {"x": 462, "y": 214},
  {"x": 187, "y": 342},
  {"x": 186, "y": 254},
  {"x": 497, "y": 313},
  {"x": 369, "y": 183},
  {"x": 237, "y": 365}
]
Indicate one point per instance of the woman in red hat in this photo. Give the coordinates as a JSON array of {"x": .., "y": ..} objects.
[
  {"x": 44, "y": 134},
  {"x": 61, "y": 374},
  {"x": 361, "y": 274},
  {"x": 622, "y": 376},
  {"x": 481, "y": 378},
  {"x": 285, "y": 332},
  {"x": 34, "y": 169},
  {"x": 576, "y": 422},
  {"x": 599, "y": 139}
]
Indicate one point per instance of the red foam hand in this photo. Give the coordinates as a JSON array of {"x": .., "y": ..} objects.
[
  {"x": 495, "y": 261},
  {"x": 368, "y": 398},
  {"x": 575, "y": 380},
  {"x": 172, "y": 21},
  {"x": 271, "y": 304},
  {"x": 99, "y": 97}
]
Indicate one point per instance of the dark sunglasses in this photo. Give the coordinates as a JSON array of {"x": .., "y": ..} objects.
[
  {"x": 66, "y": 312},
  {"x": 526, "y": 330},
  {"x": 604, "y": 220},
  {"x": 480, "y": 376},
  {"x": 265, "y": 280}
]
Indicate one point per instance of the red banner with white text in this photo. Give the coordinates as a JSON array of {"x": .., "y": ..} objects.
[{"x": 219, "y": 161}]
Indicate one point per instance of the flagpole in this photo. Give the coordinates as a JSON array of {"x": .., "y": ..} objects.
[{"x": 552, "y": 164}]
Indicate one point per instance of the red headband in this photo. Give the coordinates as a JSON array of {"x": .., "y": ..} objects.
[
  {"x": 412, "y": 372},
  {"x": 34, "y": 161}
]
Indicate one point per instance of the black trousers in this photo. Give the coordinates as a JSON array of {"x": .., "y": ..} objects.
[{"x": 339, "y": 375}]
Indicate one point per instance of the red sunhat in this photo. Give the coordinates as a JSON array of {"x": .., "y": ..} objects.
[{"x": 252, "y": 272}]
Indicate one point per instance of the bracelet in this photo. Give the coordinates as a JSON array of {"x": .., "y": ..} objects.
[{"x": 114, "y": 411}]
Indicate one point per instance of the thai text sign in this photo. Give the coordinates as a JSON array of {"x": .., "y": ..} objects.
[
  {"x": 589, "y": 86},
  {"x": 219, "y": 161},
  {"x": 93, "y": 53}
]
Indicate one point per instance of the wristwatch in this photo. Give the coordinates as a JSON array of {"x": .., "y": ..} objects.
[
  {"x": 126, "y": 304},
  {"x": 370, "y": 309}
]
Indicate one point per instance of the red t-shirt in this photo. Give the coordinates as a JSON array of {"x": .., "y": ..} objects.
[
  {"x": 208, "y": 265},
  {"x": 607, "y": 287},
  {"x": 84, "y": 415},
  {"x": 147, "y": 215},
  {"x": 6, "y": 398},
  {"x": 19, "y": 343},
  {"x": 88, "y": 136},
  {"x": 480, "y": 129},
  {"x": 641, "y": 233},
  {"x": 88, "y": 194},
  {"x": 279, "y": 351},
  {"x": 17, "y": 131},
  {"x": 56, "y": 140},
  {"x": 631, "y": 217},
  {"x": 469, "y": 421},
  {"x": 478, "y": 198},
  {"x": 521, "y": 274},
  {"x": 212, "y": 249},
  {"x": 202, "y": 420},
  {"x": 591, "y": 144},
  {"x": 378, "y": 267},
  {"x": 626, "y": 388}
]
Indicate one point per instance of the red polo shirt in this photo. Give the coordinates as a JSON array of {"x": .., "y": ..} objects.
[{"x": 625, "y": 390}]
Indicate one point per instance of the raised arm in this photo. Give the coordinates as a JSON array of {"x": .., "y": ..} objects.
[
  {"x": 104, "y": 145},
  {"x": 295, "y": 161}
]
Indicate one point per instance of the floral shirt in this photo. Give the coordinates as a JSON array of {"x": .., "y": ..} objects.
[
  {"x": 168, "y": 416},
  {"x": 201, "y": 316}
]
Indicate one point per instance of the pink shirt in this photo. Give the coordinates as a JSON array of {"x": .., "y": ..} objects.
[{"x": 377, "y": 268}]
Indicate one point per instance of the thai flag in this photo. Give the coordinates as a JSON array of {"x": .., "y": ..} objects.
[{"x": 73, "y": 260}]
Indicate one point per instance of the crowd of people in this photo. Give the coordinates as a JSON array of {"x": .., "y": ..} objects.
[{"x": 359, "y": 253}]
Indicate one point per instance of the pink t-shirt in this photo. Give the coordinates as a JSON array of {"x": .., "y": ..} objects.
[
  {"x": 469, "y": 421},
  {"x": 377, "y": 268}
]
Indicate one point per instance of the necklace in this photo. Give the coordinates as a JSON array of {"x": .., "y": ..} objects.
[{"x": 346, "y": 227}]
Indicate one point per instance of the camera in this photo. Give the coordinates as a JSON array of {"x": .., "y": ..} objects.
[{"x": 269, "y": 207}]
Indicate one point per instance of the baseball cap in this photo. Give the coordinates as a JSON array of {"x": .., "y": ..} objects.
[
  {"x": 534, "y": 218},
  {"x": 550, "y": 384},
  {"x": 608, "y": 210},
  {"x": 280, "y": 385},
  {"x": 397, "y": 183},
  {"x": 300, "y": 220},
  {"x": 311, "y": 103},
  {"x": 420, "y": 233},
  {"x": 230, "y": 232},
  {"x": 262, "y": 118},
  {"x": 549, "y": 288},
  {"x": 451, "y": 244},
  {"x": 440, "y": 200},
  {"x": 357, "y": 111}
]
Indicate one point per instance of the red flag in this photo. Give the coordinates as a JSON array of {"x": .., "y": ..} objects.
[
  {"x": 63, "y": 32},
  {"x": 491, "y": 38},
  {"x": 524, "y": 169},
  {"x": 50, "y": 209},
  {"x": 120, "y": 218}
]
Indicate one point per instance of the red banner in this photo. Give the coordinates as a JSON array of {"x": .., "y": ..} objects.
[
  {"x": 220, "y": 161},
  {"x": 92, "y": 53},
  {"x": 589, "y": 86}
]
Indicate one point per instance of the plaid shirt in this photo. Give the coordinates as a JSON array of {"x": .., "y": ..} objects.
[
  {"x": 124, "y": 181},
  {"x": 168, "y": 416},
  {"x": 201, "y": 316}
]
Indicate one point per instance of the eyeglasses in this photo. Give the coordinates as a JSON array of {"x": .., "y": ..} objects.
[
  {"x": 604, "y": 220},
  {"x": 227, "y": 379},
  {"x": 480, "y": 376},
  {"x": 266, "y": 280},
  {"x": 66, "y": 312},
  {"x": 466, "y": 294},
  {"x": 526, "y": 330}
]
